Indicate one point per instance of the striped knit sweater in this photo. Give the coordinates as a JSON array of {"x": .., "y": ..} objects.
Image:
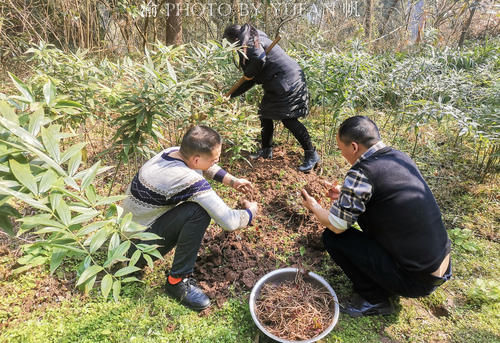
[{"x": 164, "y": 182}]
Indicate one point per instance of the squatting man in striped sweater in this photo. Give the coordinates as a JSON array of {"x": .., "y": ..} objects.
[{"x": 171, "y": 196}]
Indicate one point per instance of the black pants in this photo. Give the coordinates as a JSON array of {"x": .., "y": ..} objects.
[
  {"x": 298, "y": 130},
  {"x": 182, "y": 227},
  {"x": 373, "y": 272}
]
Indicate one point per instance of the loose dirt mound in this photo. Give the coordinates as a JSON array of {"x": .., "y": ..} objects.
[{"x": 283, "y": 234}]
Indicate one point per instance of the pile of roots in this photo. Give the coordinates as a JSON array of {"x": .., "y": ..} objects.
[{"x": 295, "y": 310}]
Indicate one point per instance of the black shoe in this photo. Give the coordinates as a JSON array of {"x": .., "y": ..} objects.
[
  {"x": 188, "y": 294},
  {"x": 361, "y": 307},
  {"x": 264, "y": 153},
  {"x": 311, "y": 160}
]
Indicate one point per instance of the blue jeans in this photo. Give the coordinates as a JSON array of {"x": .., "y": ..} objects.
[
  {"x": 182, "y": 227},
  {"x": 373, "y": 272}
]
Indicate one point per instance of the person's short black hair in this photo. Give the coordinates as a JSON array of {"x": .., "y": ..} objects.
[
  {"x": 232, "y": 33},
  {"x": 359, "y": 129},
  {"x": 201, "y": 140}
]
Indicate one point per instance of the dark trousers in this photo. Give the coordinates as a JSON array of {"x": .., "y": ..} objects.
[
  {"x": 298, "y": 130},
  {"x": 182, "y": 227},
  {"x": 373, "y": 272}
]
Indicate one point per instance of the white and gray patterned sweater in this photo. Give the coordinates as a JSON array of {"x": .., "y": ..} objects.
[{"x": 163, "y": 182}]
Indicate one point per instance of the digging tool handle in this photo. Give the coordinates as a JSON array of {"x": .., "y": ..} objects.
[{"x": 244, "y": 78}]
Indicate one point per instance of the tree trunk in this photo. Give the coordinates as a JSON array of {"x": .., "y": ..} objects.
[
  {"x": 369, "y": 19},
  {"x": 236, "y": 12},
  {"x": 265, "y": 15},
  {"x": 467, "y": 25},
  {"x": 174, "y": 23}
]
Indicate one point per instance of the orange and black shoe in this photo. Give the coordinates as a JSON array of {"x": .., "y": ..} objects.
[{"x": 187, "y": 292}]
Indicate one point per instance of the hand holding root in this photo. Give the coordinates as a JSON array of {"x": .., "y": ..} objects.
[
  {"x": 333, "y": 191},
  {"x": 242, "y": 185},
  {"x": 251, "y": 205},
  {"x": 308, "y": 201}
]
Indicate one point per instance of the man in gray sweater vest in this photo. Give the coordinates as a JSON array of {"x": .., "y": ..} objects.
[
  {"x": 402, "y": 247},
  {"x": 171, "y": 196}
]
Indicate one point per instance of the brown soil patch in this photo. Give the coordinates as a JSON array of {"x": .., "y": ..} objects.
[{"x": 283, "y": 234}]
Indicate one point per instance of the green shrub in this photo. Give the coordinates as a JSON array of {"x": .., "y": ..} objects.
[{"x": 66, "y": 218}]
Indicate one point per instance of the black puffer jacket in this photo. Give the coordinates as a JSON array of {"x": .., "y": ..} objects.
[{"x": 283, "y": 81}]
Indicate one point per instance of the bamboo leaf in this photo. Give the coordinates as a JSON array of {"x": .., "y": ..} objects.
[
  {"x": 41, "y": 220},
  {"x": 8, "y": 112},
  {"x": 171, "y": 72},
  {"x": 92, "y": 227},
  {"x": 106, "y": 284},
  {"x": 91, "y": 195},
  {"x": 156, "y": 254},
  {"x": 49, "y": 92},
  {"x": 110, "y": 200},
  {"x": 54, "y": 199},
  {"x": 23, "y": 174},
  {"x": 36, "y": 121},
  {"x": 72, "y": 151},
  {"x": 134, "y": 227},
  {"x": 22, "y": 269},
  {"x": 64, "y": 212},
  {"x": 48, "y": 179},
  {"x": 118, "y": 254},
  {"x": 71, "y": 194},
  {"x": 135, "y": 257},
  {"x": 23, "y": 197},
  {"x": 149, "y": 260},
  {"x": 117, "y": 285},
  {"x": 125, "y": 221},
  {"x": 89, "y": 284},
  {"x": 114, "y": 242},
  {"x": 88, "y": 273},
  {"x": 84, "y": 217},
  {"x": 72, "y": 183},
  {"x": 50, "y": 138},
  {"x": 81, "y": 174},
  {"x": 145, "y": 236},
  {"x": 90, "y": 175},
  {"x": 25, "y": 91},
  {"x": 24, "y": 135},
  {"x": 41, "y": 155},
  {"x": 57, "y": 257},
  {"x": 70, "y": 248},
  {"x": 74, "y": 163},
  {"x": 126, "y": 270},
  {"x": 79, "y": 209},
  {"x": 98, "y": 239},
  {"x": 131, "y": 279},
  {"x": 6, "y": 225},
  {"x": 51, "y": 229},
  {"x": 67, "y": 103}
]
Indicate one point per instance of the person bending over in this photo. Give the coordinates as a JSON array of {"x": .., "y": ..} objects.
[{"x": 285, "y": 91}]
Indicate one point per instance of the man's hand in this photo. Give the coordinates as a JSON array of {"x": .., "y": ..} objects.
[
  {"x": 242, "y": 185},
  {"x": 308, "y": 201},
  {"x": 333, "y": 191},
  {"x": 319, "y": 212},
  {"x": 252, "y": 206}
]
